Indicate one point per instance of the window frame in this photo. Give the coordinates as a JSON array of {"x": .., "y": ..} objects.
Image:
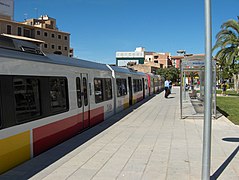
[
  {"x": 27, "y": 118},
  {"x": 7, "y": 97},
  {"x": 97, "y": 99},
  {"x": 103, "y": 90},
  {"x": 60, "y": 110},
  {"x": 19, "y": 29},
  {"x": 119, "y": 88},
  {"x": 78, "y": 92},
  {"x": 137, "y": 85},
  {"x": 8, "y": 27},
  {"x": 38, "y": 32}
]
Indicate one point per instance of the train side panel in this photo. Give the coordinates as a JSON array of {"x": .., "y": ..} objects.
[{"x": 14, "y": 150}]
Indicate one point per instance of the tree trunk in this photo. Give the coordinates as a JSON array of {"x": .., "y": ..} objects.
[{"x": 236, "y": 82}]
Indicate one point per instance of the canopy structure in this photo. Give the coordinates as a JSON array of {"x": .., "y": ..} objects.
[{"x": 192, "y": 87}]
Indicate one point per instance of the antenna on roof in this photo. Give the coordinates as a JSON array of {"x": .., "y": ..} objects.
[{"x": 25, "y": 16}]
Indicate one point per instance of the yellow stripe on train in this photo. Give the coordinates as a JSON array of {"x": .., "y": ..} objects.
[
  {"x": 126, "y": 103},
  {"x": 14, "y": 150}
]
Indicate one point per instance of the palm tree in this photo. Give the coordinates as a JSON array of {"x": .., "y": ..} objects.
[{"x": 228, "y": 44}]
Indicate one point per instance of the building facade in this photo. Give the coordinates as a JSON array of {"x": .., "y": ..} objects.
[
  {"x": 44, "y": 29},
  {"x": 161, "y": 60},
  {"x": 143, "y": 61},
  {"x": 176, "y": 61},
  {"x": 135, "y": 57},
  {"x": 7, "y": 9}
]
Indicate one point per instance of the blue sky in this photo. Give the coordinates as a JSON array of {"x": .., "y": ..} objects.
[{"x": 99, "y": 28}]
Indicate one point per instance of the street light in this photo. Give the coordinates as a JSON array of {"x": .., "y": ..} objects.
[
  {"x": 181, "y": 51},
  {"x": 207, "y": 126}
]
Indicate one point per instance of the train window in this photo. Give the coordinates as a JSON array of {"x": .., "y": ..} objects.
[
  {"x": 121, "y": 87},
  {"x": 58, "y": 94},
  {"x": 85, "y": 91},
  {"x": 78, "y": 92},
  {"x": 103, "y": 89},
  {"x": 137, "y": 84},
  {"x": 27, "y": 98},
  {"x": 98, "y": 90},
  {"x": 140, "y": 85},
  {"x": 108, "y": 89}
]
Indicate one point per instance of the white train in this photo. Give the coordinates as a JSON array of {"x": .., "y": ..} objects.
[{"x": 46, "y": 99}]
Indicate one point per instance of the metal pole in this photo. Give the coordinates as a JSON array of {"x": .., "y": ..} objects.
[
  {"x": 181, "y": 89},
  {"x": 206, "y": 160}
]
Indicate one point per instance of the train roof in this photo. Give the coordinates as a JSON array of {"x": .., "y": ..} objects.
[
  {"x": 126, "y": 70},
  {"x": 52, "y": 59}
]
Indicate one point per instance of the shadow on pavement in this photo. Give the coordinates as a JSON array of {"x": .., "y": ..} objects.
[
  {"x": 219, "y": 171},
  {"x": 231, "y": 139}
]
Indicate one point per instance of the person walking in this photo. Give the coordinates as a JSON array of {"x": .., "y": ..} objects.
[
  {"x": 170, "y": 86},
  {"x": 166, "y": 88},
  {"x": 224, "y": 88}
]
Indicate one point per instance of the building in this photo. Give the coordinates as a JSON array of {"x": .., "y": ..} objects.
[
  {"x": 176, "y": 61},
  {"x": 6, "y": 9},
  {"x": 140, "y": 60},
  {"x": 161, "y": 60},
  {"x": 44, "y": 29},
  {"x": 135, "y": 57}
]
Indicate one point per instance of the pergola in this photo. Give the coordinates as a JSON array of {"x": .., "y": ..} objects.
[{"x": 192, "y": 87}]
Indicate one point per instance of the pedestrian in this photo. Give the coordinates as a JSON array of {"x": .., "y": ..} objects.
[
  {"x": 166, "y": 88},
  {"x": 170, "y": 87},
  {"x": 224, "y": 88}
]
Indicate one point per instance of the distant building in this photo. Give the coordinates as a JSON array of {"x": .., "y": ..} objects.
[
  {"x": 44, "y": 29},
  {"x": 176, "y": 61},
  {"x": 137, "y": 57},
  {"x": 140, "y": 60},
  {"x": 6, "y": 9},
  {"x": 161, "y": 60}
]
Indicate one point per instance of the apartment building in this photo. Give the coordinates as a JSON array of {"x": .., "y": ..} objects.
[
  {"x": 44, "y": 28},
  {"x": 160, "y": 60}
]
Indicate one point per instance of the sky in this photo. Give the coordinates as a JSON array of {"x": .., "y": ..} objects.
[{"x": 100, "y": 28}]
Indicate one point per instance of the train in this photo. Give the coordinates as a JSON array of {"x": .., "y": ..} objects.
[{"x": 47, "y": 99}]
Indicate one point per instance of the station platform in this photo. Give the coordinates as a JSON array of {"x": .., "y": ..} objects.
[{"x": 147, "y": 141}]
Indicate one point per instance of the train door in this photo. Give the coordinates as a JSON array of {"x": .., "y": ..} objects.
[
  {"x": 83, "y": 100},
  {"x": 153, "y": 85},
  {"x": 143, "y": 88},
  {"x": 130, "y": 91}
]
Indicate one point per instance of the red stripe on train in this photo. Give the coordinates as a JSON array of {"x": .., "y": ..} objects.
[{"x": 50, "y": 135}]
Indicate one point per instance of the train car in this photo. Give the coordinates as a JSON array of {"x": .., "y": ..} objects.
[
  {"x": 161, "y": 83},
  {"x": 155, "y": 83},
  {"x": 46, "y": 99},
  {"x": 139, "y": 88},
  {"x": 130, "y": 87}
]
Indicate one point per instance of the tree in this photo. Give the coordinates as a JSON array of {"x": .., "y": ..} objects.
[
  {"x": 172, "y": 73},
  {"x": 228, "y": 44}
]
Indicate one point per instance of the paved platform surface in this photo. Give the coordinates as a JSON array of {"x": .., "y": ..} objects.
[{"x": 148, "y": 141}]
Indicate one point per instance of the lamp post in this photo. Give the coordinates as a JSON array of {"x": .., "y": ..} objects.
[
  {"x": 182, "y": 82},
  {"x": 207, "y": 128},
  {"x": 181, "y": 52}
]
